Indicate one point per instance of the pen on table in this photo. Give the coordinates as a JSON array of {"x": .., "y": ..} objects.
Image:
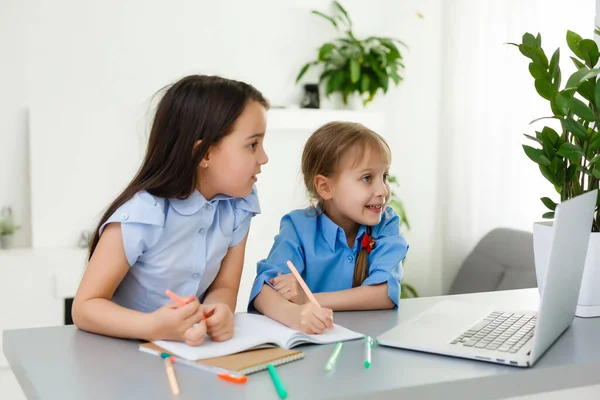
[
  {"x": 368, "y": 346},
  {"x": 333, "y": 357},
  {"x": 171, "y": 376},
  {"x": 220, "y": 372},
  {"x": 277, "y": 382}
]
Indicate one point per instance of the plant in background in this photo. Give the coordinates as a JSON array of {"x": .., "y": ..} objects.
[
  {"x": 352, "y": 65},
  {"x": 407, "y": 290},
  {"x": 7, "y": 224},
  {"x": 569, "y": 158}
]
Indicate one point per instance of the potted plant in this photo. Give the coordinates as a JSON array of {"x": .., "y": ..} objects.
[
  {"x": 568, "y": 156},
  {"x": 7, "y": 228},
  {"x": 407, "y": 290},
  {"x": 353, "y": 66}
]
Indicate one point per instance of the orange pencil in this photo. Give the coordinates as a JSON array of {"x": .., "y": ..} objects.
[{"x": 302, "y": 284}]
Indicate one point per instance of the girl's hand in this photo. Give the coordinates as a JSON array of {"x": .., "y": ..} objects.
[
  {"x": 219, "y": 321},
  {"x": 313, "y": 319},
  {"x": 175, "y": 322},
  {"x": 287, "y": 286}
]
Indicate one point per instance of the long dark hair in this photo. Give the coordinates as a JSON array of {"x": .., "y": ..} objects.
[
  {"x": 322, "y": 154},
  {"x": 197, "y": 107}
]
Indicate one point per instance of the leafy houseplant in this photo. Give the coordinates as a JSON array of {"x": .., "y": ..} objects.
[
  {"x": 570, "y": 158},
  {"x": 352, "y": 65},
  {"x": 407, "y": 290},
  {"x": 7, "y": 227}
]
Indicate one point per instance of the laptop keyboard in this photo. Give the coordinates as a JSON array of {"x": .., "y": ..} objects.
[{"x": 499, "y": 331}]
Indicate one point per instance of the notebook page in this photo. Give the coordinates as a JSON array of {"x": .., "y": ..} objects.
[
  {"x": 250, "y": 331},
  {"x": 337, "y": 334}
]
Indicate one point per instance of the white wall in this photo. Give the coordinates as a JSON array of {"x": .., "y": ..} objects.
[{"x": 121, "y": 52}]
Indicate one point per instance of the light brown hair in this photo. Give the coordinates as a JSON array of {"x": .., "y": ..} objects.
[{"x": 322, "y": 155}]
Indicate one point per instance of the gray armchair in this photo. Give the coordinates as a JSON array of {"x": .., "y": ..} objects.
[{"x": 502, "y": 260}]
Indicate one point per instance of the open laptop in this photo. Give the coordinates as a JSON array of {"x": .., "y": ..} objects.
[{"x": 513, "y": 337}]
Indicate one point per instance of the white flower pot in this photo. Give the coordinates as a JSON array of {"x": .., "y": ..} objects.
[
  {"x": 6, "y": 241},
  {"x": 588, "y": 304}
]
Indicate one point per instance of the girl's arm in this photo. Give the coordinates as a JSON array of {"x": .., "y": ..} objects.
[
  {"x": 94, "y": 311},
  {"x": 92, "y": 308},
  {"x": 372, "y": 297},
  {"x": 270, "y": 303},
  {"x": 226, "y": 285}
]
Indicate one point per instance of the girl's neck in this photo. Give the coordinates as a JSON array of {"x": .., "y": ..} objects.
[{"x": 349, "y": 226}]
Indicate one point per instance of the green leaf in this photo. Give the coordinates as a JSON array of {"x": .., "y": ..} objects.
[
  {"x": 583, "y": 74},
  {"x": 554, "y": 69},
  {"x": 533, "y": 138},
  {"x": 328, "y": 18},
  {"x": 548, "y": 215},
  {"x": 570, "y": 151},
  {"x": 595, "y": 142},
  {"x": 596, "y": 173},
  {"x": 354, "y": 70},
  {"x": 344, "y": 12},
  {"x": 586, "y": 90},
  {"x": 556, "y": 166},
  {"x": 550, "y": 135},
  {"x": 597, "y": 94},
  {"x": 302, "y": 71},
  {"x": 577, "y": 63},
  {"x": 529, "y": 40},
  {"x": 573, "y": 40},
  {"x": 581, "y": 110},
  {"x": 575, "y": 128},
  {"x": 543, "y": 160},
  {"x": 562, "y": 103},
  {"x": 548, "y": 203},
  {"x": 536, "y": 54},
  {"x": 538, "y": 40},
  {"x": 549, "y": 175},
  {"x": 545, "y": 88},
  {"x": 364, "y": 83},
  {"x": 326, "y": 50},
  {"x": 589, "y": 49},
  {"x": 533, "y": 153},
  {"x": 539, "y": 72}
]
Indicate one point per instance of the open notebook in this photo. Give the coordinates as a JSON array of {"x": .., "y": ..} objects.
[{"x": 254, "y": 331}]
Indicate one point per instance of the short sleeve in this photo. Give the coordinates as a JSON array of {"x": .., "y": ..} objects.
[
  {"x": 286, "y": 247},
  {"x": 244, "y": 209},
  {"x": 142, "y": 219},
  {"x": 385, "y": 261}
]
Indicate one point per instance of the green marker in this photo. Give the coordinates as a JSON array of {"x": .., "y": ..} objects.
[
  {"x": 332, "y": 359},
  {"x": 368, "y": 346},
  {"x": 277, "y": 382}
]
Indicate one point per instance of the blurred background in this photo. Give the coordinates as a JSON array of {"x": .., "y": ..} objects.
[{"x": 77, "y": 86}]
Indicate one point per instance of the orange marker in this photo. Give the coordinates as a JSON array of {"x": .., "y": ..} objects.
[
  {"x": 179, "y": 300},
  {"x": 309, "y": 294},
  {"x": 175, "y": 298}
]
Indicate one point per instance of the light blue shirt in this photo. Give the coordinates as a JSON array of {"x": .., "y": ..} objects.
[
  {"x": 318, "y": 249},
  {"x": 177, "y": 244}
]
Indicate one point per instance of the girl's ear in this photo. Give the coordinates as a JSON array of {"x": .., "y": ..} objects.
[
  {"x": 324, "y": 187},
  {"x": 205, "y": 159}
]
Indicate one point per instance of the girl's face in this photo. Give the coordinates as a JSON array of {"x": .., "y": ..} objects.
[
  {"x": 358, "y": 193},
  {"x": 235, "y": 162}
]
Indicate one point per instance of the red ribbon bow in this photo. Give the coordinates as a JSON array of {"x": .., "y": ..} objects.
[{"x": 368, "y": 243}]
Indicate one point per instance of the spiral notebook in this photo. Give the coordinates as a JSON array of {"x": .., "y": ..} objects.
[
  {"x": 253, "y": 331},
  {"x": 247, "y": 362}
]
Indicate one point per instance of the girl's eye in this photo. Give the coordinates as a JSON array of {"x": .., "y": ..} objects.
[
  {"x": 385, "y": 177},
  {"x": 367, "y": 178},
  {"x": 253, "y": 145}
]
